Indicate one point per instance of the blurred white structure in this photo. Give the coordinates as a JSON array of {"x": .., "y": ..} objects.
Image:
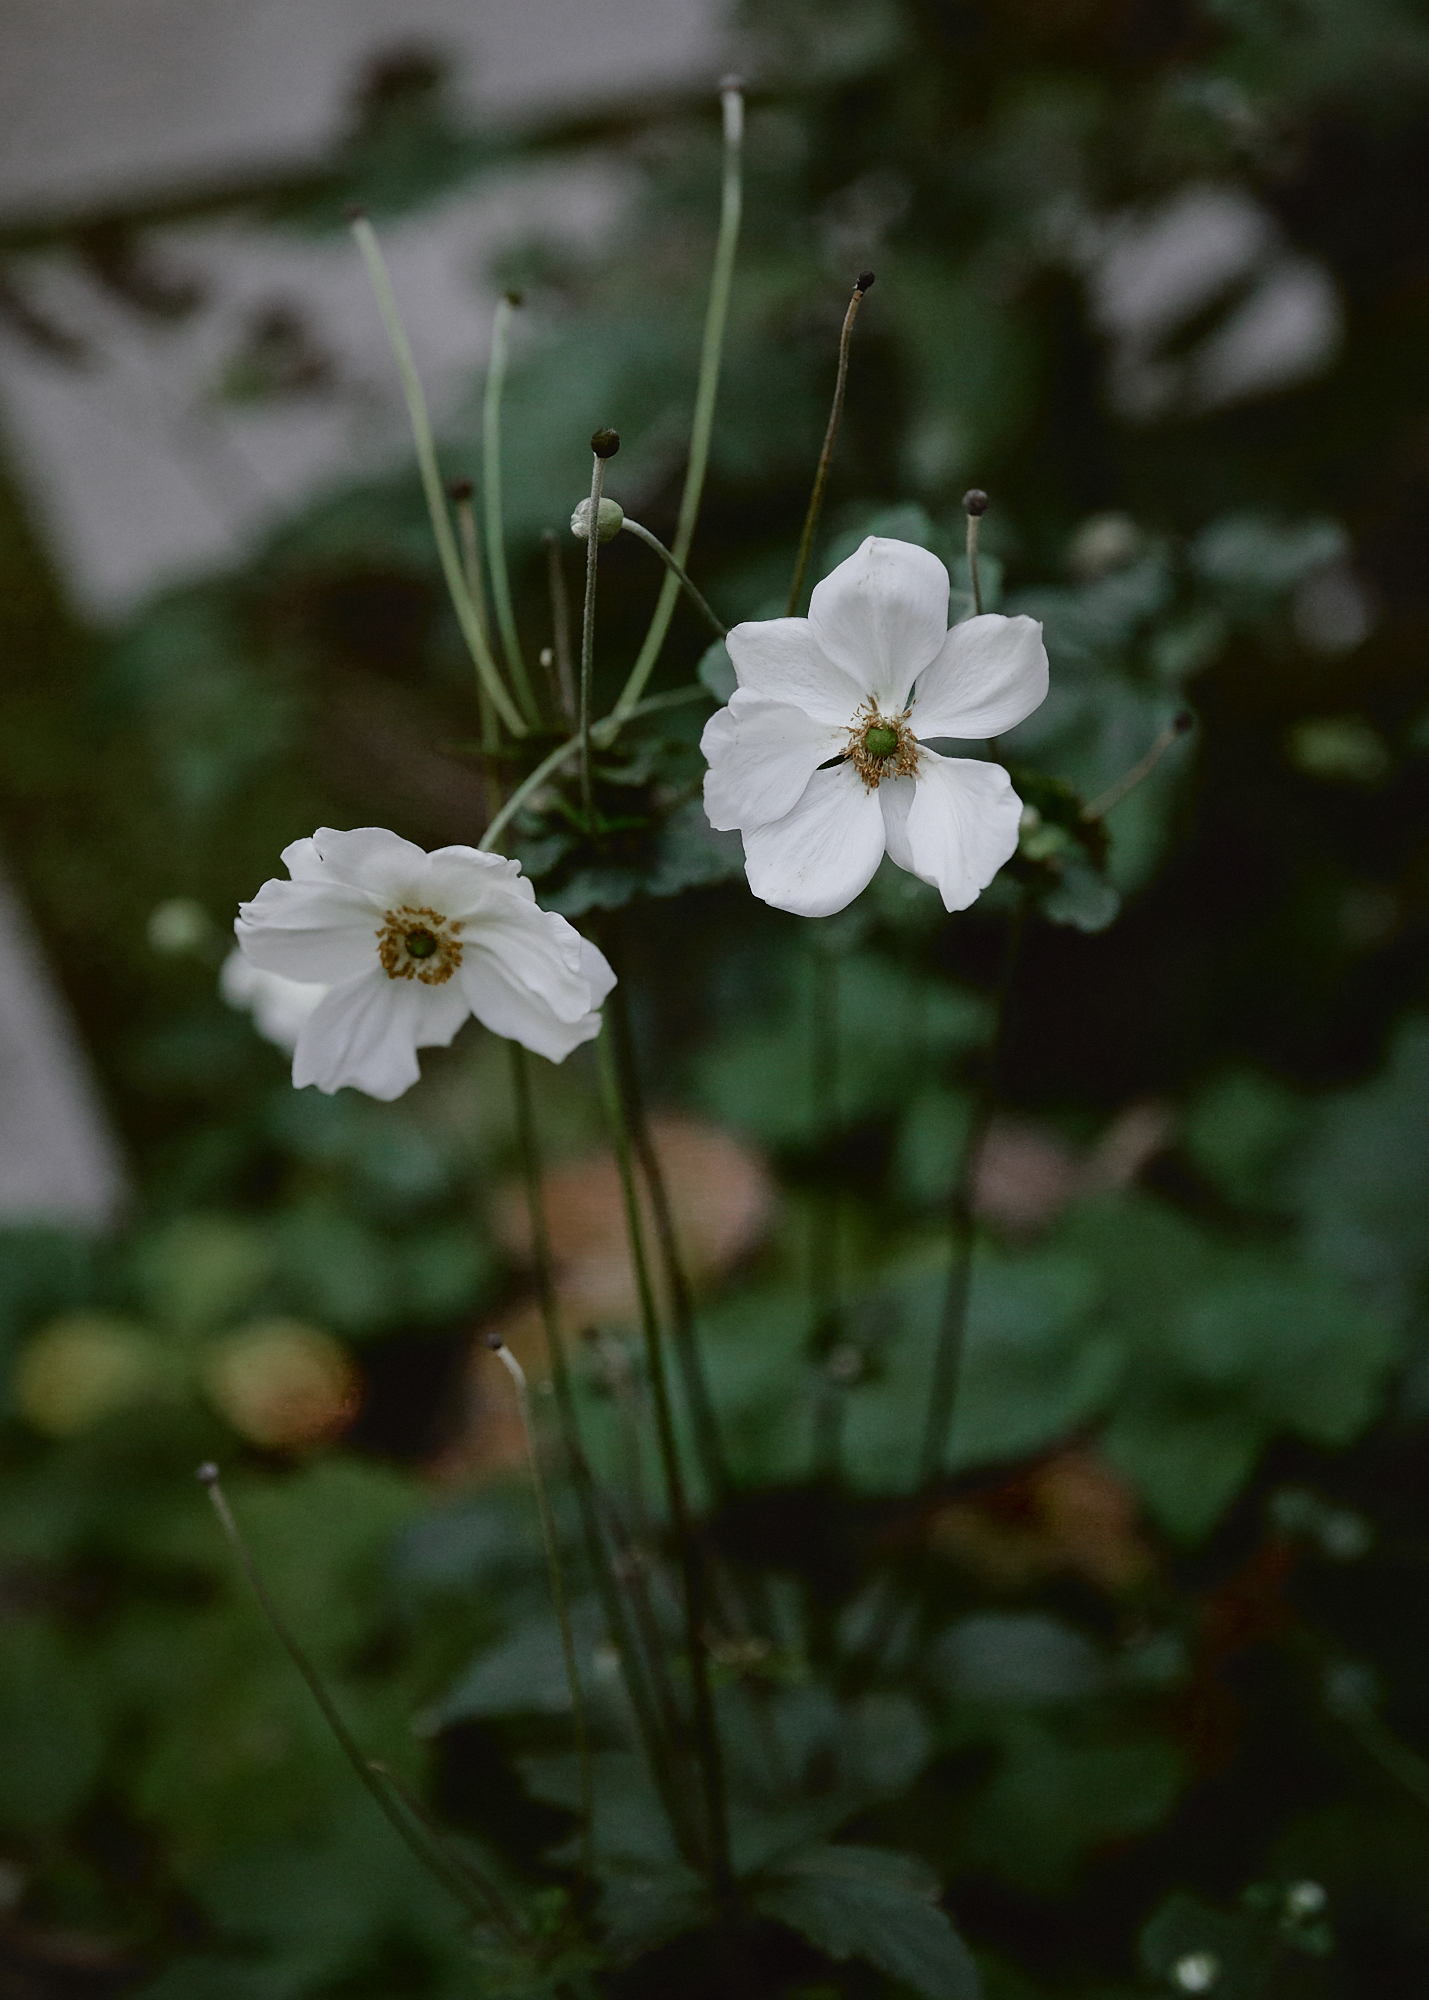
[
  {"x": 58, "y": 1158},
  {"x": 139, "y": 473},
  {"x": 136, "y": 471}
]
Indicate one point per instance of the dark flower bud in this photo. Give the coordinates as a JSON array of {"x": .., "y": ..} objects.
[
  {"x": 605, "y": 443},
  {"x": 862, "y": 282},
  {"x": 460, "y": 489},
  {"x": 975, "y": 502}
]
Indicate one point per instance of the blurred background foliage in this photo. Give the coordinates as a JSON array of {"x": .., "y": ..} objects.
[{"x": 1155, "y": 274}]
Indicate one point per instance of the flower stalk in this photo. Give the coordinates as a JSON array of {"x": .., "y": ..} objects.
[
  {"x": 692, "y": 1575},
  {"x": 639, "y": 1676},
  {"x": 975, "y": 504},
  {"x": 679, "y": 572},
  {"x": 952, "y": 1326},
  {"x": 826, "y": 456},
  {"x": 491, "y": 402},
  {"x": 706, "y": 388},
  {"x": 560, "y": 627},
  {"x": 466, "y": 612},
  {"x": 604, "y": 445},
  {"x": 579, "y": 1717},
  {"x": 481, "y": 1902}
]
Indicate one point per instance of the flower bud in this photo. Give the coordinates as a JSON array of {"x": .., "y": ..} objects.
[
  {"x": 609, "y": 521},
  {"x": 975, "y": 502},
  {"x": 605, "y": 443}
]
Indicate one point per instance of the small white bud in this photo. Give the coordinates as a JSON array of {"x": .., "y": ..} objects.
[
  {"x": 1197, "y": 1972},
  {"x": 609, "y": 521},
  {"x": 1305, "y": 1899}
]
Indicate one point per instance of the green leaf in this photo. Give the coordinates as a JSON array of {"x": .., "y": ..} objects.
[{"x": 869, "y": 1903}]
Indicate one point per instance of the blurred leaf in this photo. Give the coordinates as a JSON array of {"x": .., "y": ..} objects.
[{"x": 864, "y": 1902}]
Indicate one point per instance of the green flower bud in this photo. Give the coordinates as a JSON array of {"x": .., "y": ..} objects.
[{"x": 609, "y": 522}]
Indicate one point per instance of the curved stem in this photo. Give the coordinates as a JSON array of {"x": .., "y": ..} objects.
[
  {"x": 579, "y": 1718},
  {"x": 602, "y": 734},
  {"x": 347, "y": 1743},
  {"x": 1141, "y": 769},
  {"x": 706, "y": 390},
  {"x": 560, "y": 626},
  {"x": 491, "y": 494},
  {"x": 826, "y": 456},
  {"x": 678, "y": 571},
  {"x": 466, "y": 613},
  {"x": 592, "y": 554}
]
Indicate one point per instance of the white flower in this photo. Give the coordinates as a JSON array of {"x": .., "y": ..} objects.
[
  {"x": 408, "y": 944},
  {"x": 280, "y": 1007},
  {"x": 867, "y": 678}
]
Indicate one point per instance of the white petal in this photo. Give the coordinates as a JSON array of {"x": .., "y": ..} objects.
[
  {"x": 761, "y": 755},
  {"x": 366, "y": 857},
  {"x": 882, "y": 616},
  {"x": 781, "y": 659},
  {"x": 821, "y": 855},
  {"x": 538, "y": 952},
  {"x": 508, "y": 1008},
  {"x": 991, "y": 672},
  {"x": 597, "y": 971},
  {"x": 895, "y": 796},
  {"x": 367, "y": 1033},
  {"x": 318, "y": 932},
  {"x": 464, "y": 882},
  {"x": 961, "y": 826}
]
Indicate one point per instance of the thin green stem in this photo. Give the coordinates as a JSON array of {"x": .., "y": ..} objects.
[
  {"x": 706, "y": 389},
  {"x": 952, "y": 1329},
  {"x": 1141, "y": 769},
  {"x": 482, "y": 1910},
  {"x": 974, "y": 579},
  {"x": 681, "y": 1294},
  {"x": 506, "y": 305},
  {"x": 706, "y": 1730},
  {"x": 460, "y": 1864},
  {"x": 824, "y": 1290},
  {"x": 826, "y": 455},
  {"x": 592, "y": 554},
  {"x": 469, "y": 543},
  {"x": 462, "y": 604},
  {"x": 560, "y": 626},
  {"x": 603, "y": 734},
  {"x": 679, "y": 572},
  {"x": 588, "y": 1496},
  {"x": 579, "y": 1716}
]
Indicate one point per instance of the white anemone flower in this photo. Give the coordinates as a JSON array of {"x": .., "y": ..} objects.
[
  {"x": 867, "y": 679},
  {"x": 279, "y": 1007},
  {"x": 409, "y": 944}
]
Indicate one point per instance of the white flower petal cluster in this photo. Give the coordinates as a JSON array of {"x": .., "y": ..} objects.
[
  {"x": 867, "y": 679},
  {"x": 406, "y": 945}
]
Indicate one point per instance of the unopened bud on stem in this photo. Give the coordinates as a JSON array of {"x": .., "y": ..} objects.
[
  {"x": 609, "y": 520},
  {"x": 975, "y": 502},
  {"x": 605, "y": 443}
]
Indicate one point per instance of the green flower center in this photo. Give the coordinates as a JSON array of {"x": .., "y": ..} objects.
[
  {"x": 880, "y": 741},
  {"x": 420, "y": 944}
]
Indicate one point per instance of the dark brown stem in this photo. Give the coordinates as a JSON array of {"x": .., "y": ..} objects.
[{"x": 826, "y": 456}]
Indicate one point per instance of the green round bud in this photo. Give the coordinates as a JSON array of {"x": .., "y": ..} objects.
[
  {"x": 881, "y": 741},
  {"x": 609, "y": 521}
]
